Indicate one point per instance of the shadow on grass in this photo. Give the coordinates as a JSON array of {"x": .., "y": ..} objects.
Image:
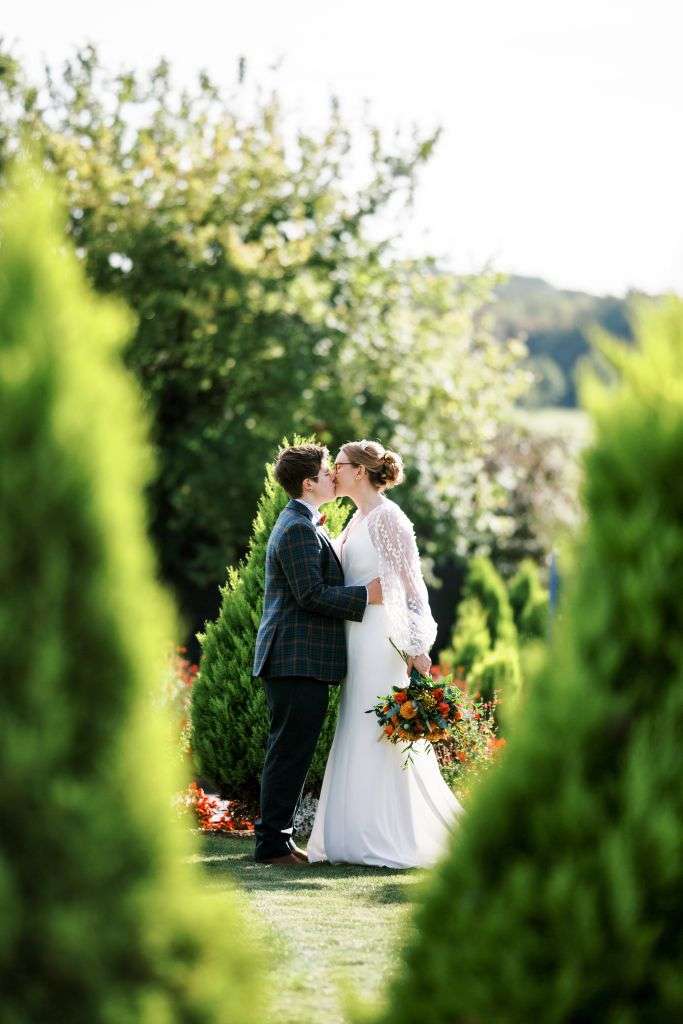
[
  {"x": 224, "y": 854},
  {"x": 265, "y": 885},
  {"x": 331, "y": 872},
  {"x": 250, "y": 872},
  {"x": 390, "y": 894}
]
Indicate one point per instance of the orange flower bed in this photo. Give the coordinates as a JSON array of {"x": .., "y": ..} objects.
[{"x": 213, "y": 814}]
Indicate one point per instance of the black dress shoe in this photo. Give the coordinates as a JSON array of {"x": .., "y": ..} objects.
[
  {"x": 296, "y": 851},
  {"x": 287, "y": 860}
]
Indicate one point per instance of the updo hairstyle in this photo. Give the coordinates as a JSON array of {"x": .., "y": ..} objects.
[{"x": 384, "y": 467}]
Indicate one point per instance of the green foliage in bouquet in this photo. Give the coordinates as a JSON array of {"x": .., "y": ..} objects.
[
  {"x": 421, "y": 710},
  {"x": 529, "y": 600},
  {"x": 229, "y": 710},
  {"x": 103, "y": 919},
  {"x": 562, "y": 895},
  {"x": 459, "y": 728}
]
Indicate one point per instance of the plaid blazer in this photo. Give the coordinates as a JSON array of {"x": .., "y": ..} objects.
[{"x": 305, "y": 602}]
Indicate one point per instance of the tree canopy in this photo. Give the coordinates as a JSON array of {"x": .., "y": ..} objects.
[{"x": 267, "y": 299}]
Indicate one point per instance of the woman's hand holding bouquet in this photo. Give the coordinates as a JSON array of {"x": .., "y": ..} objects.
[{"x": 421, "y": 710}]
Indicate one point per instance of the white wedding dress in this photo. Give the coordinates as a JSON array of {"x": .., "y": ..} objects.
[{"x": 372, "y": 810}]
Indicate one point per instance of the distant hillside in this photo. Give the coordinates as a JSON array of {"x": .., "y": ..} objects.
[{"x": 555, "y": 323}]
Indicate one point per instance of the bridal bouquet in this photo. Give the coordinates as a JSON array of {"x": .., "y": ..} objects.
[{"x": 420, "y": 710}]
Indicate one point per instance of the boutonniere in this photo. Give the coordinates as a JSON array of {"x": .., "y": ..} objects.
[{"x": 322, "y": 520}]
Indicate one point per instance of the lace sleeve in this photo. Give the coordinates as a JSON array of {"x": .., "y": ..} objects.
[{"x": 411, "y": 625}]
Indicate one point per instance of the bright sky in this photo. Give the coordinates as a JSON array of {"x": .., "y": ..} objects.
[{"x": 562, "y": 153}]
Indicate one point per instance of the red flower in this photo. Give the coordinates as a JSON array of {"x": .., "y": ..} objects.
[
  {"x": 215, "y": 815},
  {"x": 443, "y": 708},
  {"x": 401, "y": 697},
  {"x": 437, "y": 694}
]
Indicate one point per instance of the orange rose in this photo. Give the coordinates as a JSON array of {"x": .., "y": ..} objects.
[
  {"x": 401, "y": 697},
  {"x": 408, "y": 710},
  {"x": 388, "y": 729}
]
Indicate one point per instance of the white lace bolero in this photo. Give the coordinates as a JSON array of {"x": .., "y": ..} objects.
[{"x": 411, "y": 625}]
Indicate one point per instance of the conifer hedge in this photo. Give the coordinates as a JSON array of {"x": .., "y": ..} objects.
[
  {"x": 485, "y": 640},
  {"x": 498, "y": 671},
  {"x": 562, "y": 895},
  {"x": 102, "y": 917},
  {"x": 229, "y": 710},
  {"x": 529, "y": 601},
  {"x": 484, "y": 583},
  {"x": 471, "y": 638}
]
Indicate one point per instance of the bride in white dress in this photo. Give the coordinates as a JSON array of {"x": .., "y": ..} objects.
[{"x": 372, "y": 810}]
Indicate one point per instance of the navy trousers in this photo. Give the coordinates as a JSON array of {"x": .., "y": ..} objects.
[{"x": 297, "y": 712}]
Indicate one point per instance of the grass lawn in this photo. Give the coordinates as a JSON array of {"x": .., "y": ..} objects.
[{"x": 323, "y": 926}]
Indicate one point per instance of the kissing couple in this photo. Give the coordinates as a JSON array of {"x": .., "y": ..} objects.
[{"x": 331, "y": 608}]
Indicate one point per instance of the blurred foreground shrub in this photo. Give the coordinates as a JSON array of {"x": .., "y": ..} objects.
[
  {"x": 562, "y": 895},
  {"x": 103, "y": 919}
]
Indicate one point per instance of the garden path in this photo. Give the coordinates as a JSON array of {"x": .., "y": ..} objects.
[{"x": 324, "y": 928}]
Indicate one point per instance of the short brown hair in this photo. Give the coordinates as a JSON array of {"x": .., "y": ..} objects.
[
  {"x": 385, "y": 468},
  {"x": 298, "y": 463}
]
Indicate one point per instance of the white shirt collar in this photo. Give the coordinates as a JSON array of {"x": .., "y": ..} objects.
[{"x": 314, "y": 511}]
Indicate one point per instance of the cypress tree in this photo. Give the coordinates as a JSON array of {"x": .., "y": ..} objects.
[
  {"x": 497, "y": 675},
  {"x": 562, "y": 895},
  {"x": 529, "y": 601},
  {"x": 484, "y": 583},
  {"x": 103, "y": 919},
  {"x": 484, "y": 642},
  {"x": 229, "y": 710},
  {"x": 471, "y": 638}
]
